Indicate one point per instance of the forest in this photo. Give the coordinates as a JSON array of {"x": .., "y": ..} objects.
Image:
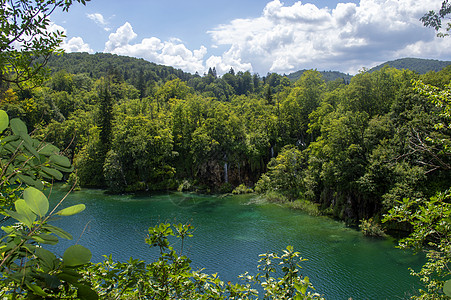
[
  {"x": 352, "y": 149},
  {"x": 372, "y": 150}
]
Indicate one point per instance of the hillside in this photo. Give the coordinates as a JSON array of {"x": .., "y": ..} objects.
[
  {"x": 327, "y": 75},
  {"x": 421, "y": 66},
  {"x": 144, "y": 74},
  {"x": 99, "y": 64}
]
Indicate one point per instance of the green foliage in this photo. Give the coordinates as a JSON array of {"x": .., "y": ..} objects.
[
  {"x": 25, "y": 160},
  {"x": 362, "y": 142},
  {"x": 419, "y": 65},
  {"x": 285, "y": 173},
  {"x": 171, "y": 276},
  {"x": 327, "y": 75},
  {"x": 140, "y": 152},
  {"x": 26, "y": 267},
  {"x": 434, "y": 19},
  {"x": 225, "y": 188},
  {"x": 430, "y": 220},
  {"x": 307, "y": 206},
  {"x": 371, "y": 228},
  {"x": 29, "y": 268},
  {"x": 242, "y": 189}
]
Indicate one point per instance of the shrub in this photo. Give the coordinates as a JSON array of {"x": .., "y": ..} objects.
[
  {"x": 371, "y": 228},
  {"x": 242, "y": 189}
]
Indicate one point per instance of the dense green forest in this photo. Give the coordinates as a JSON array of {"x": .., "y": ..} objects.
[
  {"x": 327, "y": 76},
  {"x": 351, "y": 149},
  {"x": 421, "y": 66}
]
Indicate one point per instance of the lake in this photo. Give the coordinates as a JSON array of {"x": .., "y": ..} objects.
[{"x": 230, "y": 233}]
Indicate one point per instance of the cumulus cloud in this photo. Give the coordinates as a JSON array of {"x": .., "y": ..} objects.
[
  {"x": 120, "y": 38},
  {"x": 99, "y": 20},
  {"x": 287, "y": 38},
  {"x": 76, "y": 44},
  {"x": 230, "y": 59},
  {"x": 172, "y": 53},
  {"x": 346, "y": 37}
]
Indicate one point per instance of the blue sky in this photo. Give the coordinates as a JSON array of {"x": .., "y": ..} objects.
[{"x": 259, "y": 36}]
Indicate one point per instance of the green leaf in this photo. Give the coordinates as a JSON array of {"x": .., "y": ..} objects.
[
  {"x": 19, "y": 128},
  {"x": 26, "y": 179},
  {"x": 447, "y": 288},
  {"x": 63, "y": 169},
  {"x": 10, "y": 138},
  {"x": 69, "y": 278},
  {"x": 4, "y": 120},
  {"x": 27, "y": 215},
  {"x": 298, "y": 297},
  {"x": 32, "y": 150},
  {"x": 60, "y": 160},
  {"x": 49, "y": 150},
  {"x": 51, "y": 281},
  {"x": 52, "y": 172},
  {"x": 37, "y": 201},
  {"x": 48, "y": 259},
  {"x": 58, "y": 231},
  {"x": 76, "y": 255},
  {"x": 8, "y": 229},
  {"x": 18, "y": 217},
  {"x": 85, "y": 292},
  {"x": 38, "y": 184},
  {"x": 72, "y": 210},
  {"x": 36, "y": 289},
  {"x": 45, "y": 239}
]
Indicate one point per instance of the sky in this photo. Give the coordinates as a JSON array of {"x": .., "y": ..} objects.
[{"x": 259, "y": 36}]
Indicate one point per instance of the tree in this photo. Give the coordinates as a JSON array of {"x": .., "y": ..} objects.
[
  {"x": 26, "y": 42},
  {"x": 105, "y": 120},
  {"x": 430, "y": 218},
  {"x": 434, "y": 20},
  {"x": 285, "y": 174}
]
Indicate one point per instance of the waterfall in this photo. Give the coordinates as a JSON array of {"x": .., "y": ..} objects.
[
  {"x": 226, "y": 175},
  {"x": 272, "y": 151}
]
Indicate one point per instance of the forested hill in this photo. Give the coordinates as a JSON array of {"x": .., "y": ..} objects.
[
  {"x": 129, "y": 68},
  {"x": 327, "y": 75},
  {"x": 421, "y": 66},
  {"x": 147, "y": 77}
]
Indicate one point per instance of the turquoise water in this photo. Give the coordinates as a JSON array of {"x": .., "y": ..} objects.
[{"x": 230, "y": 233}]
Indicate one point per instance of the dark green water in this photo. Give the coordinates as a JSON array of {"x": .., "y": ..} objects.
[{"x": 230, "y": 232}]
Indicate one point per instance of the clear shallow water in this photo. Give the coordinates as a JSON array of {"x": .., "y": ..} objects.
[{"x": 231, "y": 232}]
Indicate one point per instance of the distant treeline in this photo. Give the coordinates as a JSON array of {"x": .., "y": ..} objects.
[{"x": 419, "y": 65}]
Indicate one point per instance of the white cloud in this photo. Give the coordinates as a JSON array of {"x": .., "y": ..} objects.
[
  {"x": 286, "y": 38},
  {"x": 230, "y": 59},
  {"x": 120, "y": 38},
  {"x": 347, "y": 37},
  {"x": 99, "y": 20},
  {"x": 76, "y": 44},
  {"x": 172, "y": 53}
]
